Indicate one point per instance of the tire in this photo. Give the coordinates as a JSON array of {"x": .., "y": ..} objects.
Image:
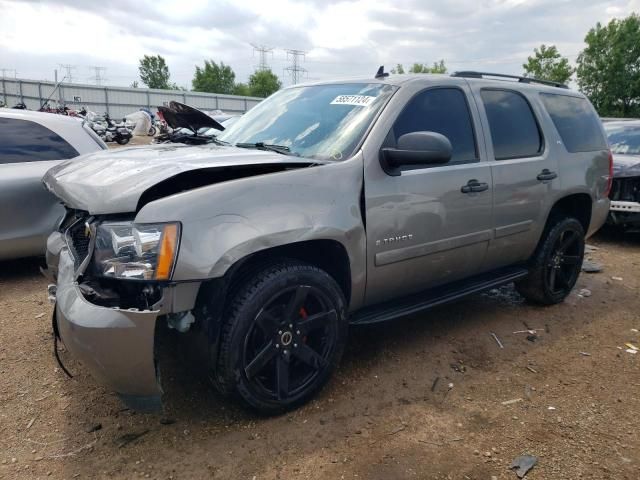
[
  {"x": 152, "y": 131},
  {"x": 122, "y": 140},
  {"x": 556, "y": 264},
  {"x": 283, "y": 334}
]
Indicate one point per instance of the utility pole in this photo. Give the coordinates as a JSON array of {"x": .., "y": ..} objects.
[
  {"x": 296, "y": 72},
  {"x": 262, "y": 50},
  {"x": 99, "y": 77},
  {"x": 68, "y": 68}
]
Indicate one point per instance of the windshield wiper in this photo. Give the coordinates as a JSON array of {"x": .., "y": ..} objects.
[{"x": 283, "y": 149}]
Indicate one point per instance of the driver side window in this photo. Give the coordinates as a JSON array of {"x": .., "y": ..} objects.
[{"x": 441, "y": 110}]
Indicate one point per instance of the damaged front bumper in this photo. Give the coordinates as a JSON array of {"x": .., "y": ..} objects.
[
  {"x": 625, "y": 201},
  {"x": 117, "y": 346}
]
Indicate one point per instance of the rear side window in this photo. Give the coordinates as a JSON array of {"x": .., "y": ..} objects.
[
  {"x": 25, "y": 141},
  {"x": 514, "y": 130},
  {"x": 441, "y": 110},
  {"x": 576, "y": 122}
]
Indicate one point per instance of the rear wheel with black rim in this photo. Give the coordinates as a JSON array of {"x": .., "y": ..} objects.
[
  {"x": 556, "y": 264},
  {"x": 284, "y": 333}
]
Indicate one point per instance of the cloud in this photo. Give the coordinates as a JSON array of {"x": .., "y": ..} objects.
[{"x": 342, "y": 37}]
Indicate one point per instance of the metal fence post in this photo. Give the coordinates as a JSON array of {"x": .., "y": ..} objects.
[
  {"x": 20, "y": 89},
  {"x": 245, "y": 105},
  {"x": 40, "y": 93},
  {"x": 184, "y": 98},
  {"x": 106, "y": 100},
  {"x": 148, "y": 99},
  {"x": 4, "y": 92}
]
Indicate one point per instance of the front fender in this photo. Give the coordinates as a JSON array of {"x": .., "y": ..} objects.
[{"x": 225, "y": 222}]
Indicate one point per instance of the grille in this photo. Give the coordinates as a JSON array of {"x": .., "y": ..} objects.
[
  {"x": 78, "y": 241},
  {"x": 625, "y": 189}
]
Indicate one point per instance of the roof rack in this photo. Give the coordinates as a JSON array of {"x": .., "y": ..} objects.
[{"x": 472, "y": 74}]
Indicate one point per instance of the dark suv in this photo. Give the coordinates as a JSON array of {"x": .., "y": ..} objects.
[{"x": 328, "y": 204}]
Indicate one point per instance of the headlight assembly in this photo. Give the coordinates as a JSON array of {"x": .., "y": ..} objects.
[{"x": 136, "y": 251}]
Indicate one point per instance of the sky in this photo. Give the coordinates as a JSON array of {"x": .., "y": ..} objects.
[{"x": 340, "y": 38}]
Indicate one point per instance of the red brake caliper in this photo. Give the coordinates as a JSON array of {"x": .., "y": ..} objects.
[{"x": 304, "y": 315}]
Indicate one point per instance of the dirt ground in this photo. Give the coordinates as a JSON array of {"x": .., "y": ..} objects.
[{"x": 431, "y": 396}]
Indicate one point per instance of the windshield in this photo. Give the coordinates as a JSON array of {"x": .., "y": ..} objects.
[
  {"x": 326, "y": 122},
  {"x": 624, "y": 139}
]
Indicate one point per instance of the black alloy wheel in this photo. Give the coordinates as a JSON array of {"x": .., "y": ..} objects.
[
  {"x": 556, "y": 264},
  {"x": 284, "y": 333}
]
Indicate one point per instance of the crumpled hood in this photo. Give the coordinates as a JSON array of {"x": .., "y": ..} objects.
[
  {"x": 626, "y": 166},
  {"x": 112, "y": 181}
]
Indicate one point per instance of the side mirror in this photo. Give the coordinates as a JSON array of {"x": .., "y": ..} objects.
[{"x": 416, "y": 148}]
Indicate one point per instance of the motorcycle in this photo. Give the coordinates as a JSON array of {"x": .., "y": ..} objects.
[{"x": 109, "y": 131}]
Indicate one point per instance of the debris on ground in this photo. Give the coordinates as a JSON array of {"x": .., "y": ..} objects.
[
  {"x": 585, "y": 354},
  {"x": 532, "y": 338},
  {"x": 127, "y": 438},
  {"x": 523, "y": 463},
  {"x": 495, "y": 337},
  {"x": 590, "y": 248},
  {"x": 551, "y": 408},
  {"x": 530, "y": 331},
  {"x": 40, "y": 315},
  {"x": 94, "y": 428},
  {"x": 589, "y": 266},
  {"x": 584, "y": 292},
  {"x": 513, "y": 400},
  {"x": 617, "y": 279}
]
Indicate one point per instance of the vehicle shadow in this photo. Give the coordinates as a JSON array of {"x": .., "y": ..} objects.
[{"x": 22, "y": 268}]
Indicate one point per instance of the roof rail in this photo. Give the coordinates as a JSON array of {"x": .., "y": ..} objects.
[{"x": 472, "y": 74}]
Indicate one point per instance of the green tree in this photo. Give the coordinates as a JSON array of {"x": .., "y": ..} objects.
[
  {"x": 241, "y": 89},
  {"x": 214, "y": 78},
  {"x": 609, "y": 67},
  {"x": 263, "y": 83},
  {"x": 154, "y": 72},
  {"x": 437, "y": 67},
  {"x": 546, "y": 63}
]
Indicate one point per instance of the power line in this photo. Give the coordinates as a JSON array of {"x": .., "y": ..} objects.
[
  {"x": 68, "y": 68},
  {"x": 98, "y": 77},
  {"x": 295, "y": 70},
  {"x": 262, "y": 50}
]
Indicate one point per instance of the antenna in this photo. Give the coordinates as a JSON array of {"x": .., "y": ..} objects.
[
  {"x": 262, "y": 50},
  {"x": 68, "y": 68},
  {"x": 98, "y": 77},
  {"x": 295, "y": 70}
]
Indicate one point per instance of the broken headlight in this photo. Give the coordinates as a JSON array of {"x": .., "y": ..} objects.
[{"x": 133, "y": 251}]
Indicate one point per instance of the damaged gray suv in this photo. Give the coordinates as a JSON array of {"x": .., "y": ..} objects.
[{"x": 328, "y": 204}]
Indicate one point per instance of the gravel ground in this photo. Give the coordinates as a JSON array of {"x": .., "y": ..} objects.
[{"x": 431, "y": 396}]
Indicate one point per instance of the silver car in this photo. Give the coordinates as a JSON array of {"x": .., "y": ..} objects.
[
  {"x": 327, "y": 204},
  {"x": 30, "y": 144}
]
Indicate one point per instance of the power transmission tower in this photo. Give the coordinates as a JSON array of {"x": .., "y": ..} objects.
[
  {"x": 68, "y": 68},
  {"x": 262, "y": 50},
  {"x": 295, "y": 70},
  {"x": 98, "y": 77},
  {"x": 5, "y": 70}
]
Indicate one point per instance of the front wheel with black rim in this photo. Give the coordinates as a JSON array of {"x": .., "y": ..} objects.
[
  {"x": 284, "y": 333},
  {"x": 556, "y": 264}
]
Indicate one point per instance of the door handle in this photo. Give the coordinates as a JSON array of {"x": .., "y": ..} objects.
[
  {"x": 473, "y": 186},
  {"x": 546, "y": 175}
]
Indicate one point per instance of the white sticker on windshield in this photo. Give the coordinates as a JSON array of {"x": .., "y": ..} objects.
[{"x": 355, "y": 100}]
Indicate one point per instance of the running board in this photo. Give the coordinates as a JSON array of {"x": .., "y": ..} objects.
[{"x": 436, "y": 296}]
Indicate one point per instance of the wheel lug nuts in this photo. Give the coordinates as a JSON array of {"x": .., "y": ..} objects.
[
  {"x": 290, "y": 325},
  {"x": 295, "y": 345},
  {"x": 279, "y": 332},
  {"x": 277, "y": 345},
  {"x": 298, "y": 332}
]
